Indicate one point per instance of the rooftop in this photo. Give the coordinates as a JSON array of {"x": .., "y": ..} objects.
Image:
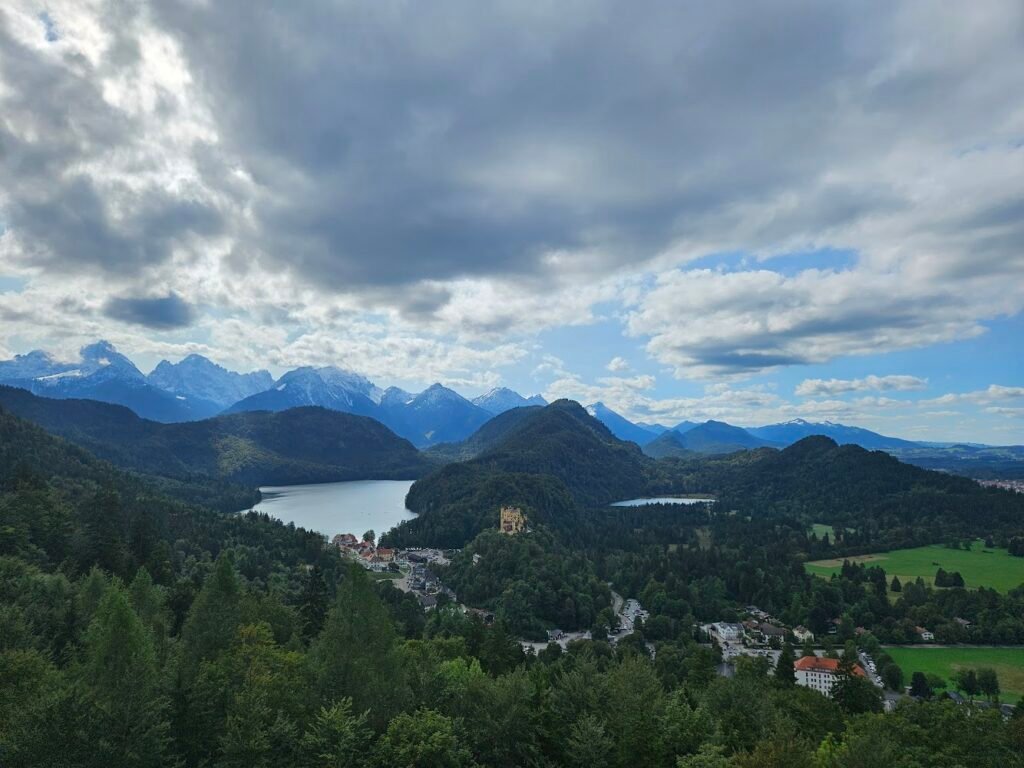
[{"x": 822, "y": 664}]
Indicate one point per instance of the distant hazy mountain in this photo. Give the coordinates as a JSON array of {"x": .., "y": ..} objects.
[
  {"x": 711, "y": 437},
  {"x": 326, "y": 387},
  {"x": 394, "y": 396},
  {"x": 436, "y": 415},
  {"x": 620, "y": 426},
  {"x": 33, "y": 365},
  {"x": 198, "y": 377},
  {"x": 104, "y": 374},
  {"x": 196, "y": 388},
  {"x": 667, "y": 444},
  {"x": 503, "y": 399},
  {"x": 791, "y": 431},
  {"x": 654, "y": 429},
  {"x": 487, "y": 437}
]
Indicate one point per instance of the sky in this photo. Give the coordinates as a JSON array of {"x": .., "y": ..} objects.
[{"x": 742, "y": 211}]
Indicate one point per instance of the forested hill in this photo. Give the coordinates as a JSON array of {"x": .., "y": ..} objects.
[
  {"x": 817, "y": 480},
  {"x": 558, "y": 461},
  {"x": 61, "y": 506},
  {"x": 301, "y": 445},
  {"x": 487, "y": 436},
  {"x": 564, "y": 441}
]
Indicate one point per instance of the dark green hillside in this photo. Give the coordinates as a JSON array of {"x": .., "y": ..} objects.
[
  {"x": 301, "y": 445},
  {"x": 551, "y": 461},
  {"x": 459, "y": 501},
  {"x": 564, "y": 441},
  {"x": 61, "y": 506},
  {"x": 819, "y": 481},
  {"x": 531, "y": 582}
]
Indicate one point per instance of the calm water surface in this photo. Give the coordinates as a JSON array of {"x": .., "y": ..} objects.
[
  {"x": 330, "y": 508},
  {"x": 662, "y": 500}
]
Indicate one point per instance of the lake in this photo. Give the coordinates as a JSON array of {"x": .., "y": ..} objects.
[
  {"x": 663, "y": 500},
  {"x": 332, "y": 508}
]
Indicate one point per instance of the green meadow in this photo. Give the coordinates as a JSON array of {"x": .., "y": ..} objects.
[
  {"x": 1008, "y": 664},
  {"x": 980, "y": 567}
]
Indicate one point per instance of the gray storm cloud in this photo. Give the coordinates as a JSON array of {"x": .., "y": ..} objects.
[{"x": 160, "y": 313}]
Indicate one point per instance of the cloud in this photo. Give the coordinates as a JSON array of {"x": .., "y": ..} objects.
[
  {"x": 161, "y": 313},
  {"x": 994, "y": 393},
  {"x": 829, "y": 387},
  {"x": 706, "y": 323},
  {"x": 1016, "y": 413},
  {"x": 617, "y": 364},
  {"x": 630, "y": 397},
  {"x": 466, "y": 177}
]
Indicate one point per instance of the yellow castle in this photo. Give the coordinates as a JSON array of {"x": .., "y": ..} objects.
[{"x": 512, "y": 520}]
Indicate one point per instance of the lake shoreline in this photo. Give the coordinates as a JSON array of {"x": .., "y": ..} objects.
[{"x": 352, "y": 506}]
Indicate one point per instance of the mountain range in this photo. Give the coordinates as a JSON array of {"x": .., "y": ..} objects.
[
  {"x": 196, "y": 389},
  {"x": 102, "y": 373}
]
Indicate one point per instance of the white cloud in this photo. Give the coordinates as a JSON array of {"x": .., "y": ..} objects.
[
  {"x": 898, "y": 383},
  {"x": 994, "y": 393},
  {"x": 1017, "y": 413},
  {"x": 617, "y": 365}
]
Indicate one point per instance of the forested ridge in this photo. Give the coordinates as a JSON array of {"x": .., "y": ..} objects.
[
  {"x": 300, "y": 445},
  {"x": 888, "y": 503}
]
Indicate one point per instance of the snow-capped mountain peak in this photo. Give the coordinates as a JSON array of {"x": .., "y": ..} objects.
[
  {"x": 396, "y": 396},
  {"x": 33, "y": 365},
  {"x": 501, "y": 399},
  {"x": 350, "y": 381},
  {"x": 198, "y": 377},
  {"x": 436, "y": 394}
]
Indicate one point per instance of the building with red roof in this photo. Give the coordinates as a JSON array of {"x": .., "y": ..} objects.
[{"x": 820, "y": 673}]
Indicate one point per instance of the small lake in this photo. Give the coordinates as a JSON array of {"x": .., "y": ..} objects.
[
  {"x": 663, "y": 500},
  {"x": 332, "y": 508}
]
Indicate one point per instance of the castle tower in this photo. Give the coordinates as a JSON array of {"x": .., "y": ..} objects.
[{"x": 511, "y": 521}]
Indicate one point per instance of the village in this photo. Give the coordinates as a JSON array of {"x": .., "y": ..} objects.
[
  {"x": 815, "y": 665},
  {"x": 410, "y": 571}
]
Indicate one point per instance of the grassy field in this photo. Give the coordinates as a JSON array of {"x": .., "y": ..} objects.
[
  {"x": 980, "y": 567},
  {"x": 944, "y": 662}
]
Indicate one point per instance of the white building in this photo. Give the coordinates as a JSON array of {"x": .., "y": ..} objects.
[
  {"x": 726, "y": 633},
  {"x": 819, "y": 673},
  {"x": 803, "y": 634}
]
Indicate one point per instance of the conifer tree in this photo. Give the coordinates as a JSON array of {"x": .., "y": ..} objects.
[
  {"x": 122, "y": 714},
  {"x": 213, "y": 618},
  {"x": 336, "y": 738},
  {"x": 313, "y": 604},
  {"x": 357, "y": 655},
  {"x": 785, "y": 673},
  {"x": 102, "y": 537}
]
